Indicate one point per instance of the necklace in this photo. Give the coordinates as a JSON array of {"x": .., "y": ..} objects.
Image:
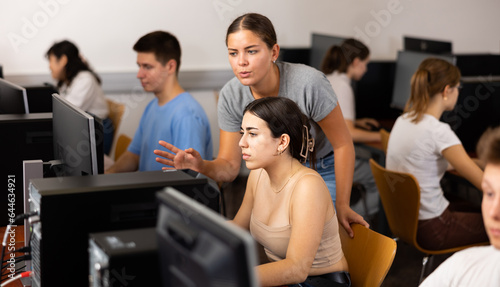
[{"x": 286, "y": 182}]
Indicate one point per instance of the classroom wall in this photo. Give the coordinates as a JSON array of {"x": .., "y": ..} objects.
[{"x": 105, "y": 32}]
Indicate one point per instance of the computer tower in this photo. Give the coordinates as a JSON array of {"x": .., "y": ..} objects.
[
  {"x": 124, "y": 258},
  {"x": 70, "y": 208},
  {"x": 24, "y": 137}
]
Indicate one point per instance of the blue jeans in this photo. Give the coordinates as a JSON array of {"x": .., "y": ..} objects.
[{"x": 326, "y": 168}]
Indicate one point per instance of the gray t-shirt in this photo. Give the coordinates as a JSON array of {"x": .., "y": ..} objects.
[{"x": 306, "y": 86}]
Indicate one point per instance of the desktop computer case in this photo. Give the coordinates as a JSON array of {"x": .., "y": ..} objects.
[
  {"x": 124, "y": 258},
  {"x": 70, "y": 208}
]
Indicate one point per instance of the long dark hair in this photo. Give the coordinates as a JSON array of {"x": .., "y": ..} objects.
[
  {"x": 338, "y": 58},
  {"x": 75, "y": 62},
  {"x": 258, "y": 24},
  {"x": 283, "y": 116}
]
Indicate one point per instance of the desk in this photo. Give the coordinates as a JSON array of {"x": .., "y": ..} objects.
[
  {"x": 19, "y": 242},
  {"x": 456, "y": 185},
  {"x": 375, "y": 145}
]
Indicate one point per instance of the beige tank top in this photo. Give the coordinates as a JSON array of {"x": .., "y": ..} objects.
[{"x": 275, "y": 239}]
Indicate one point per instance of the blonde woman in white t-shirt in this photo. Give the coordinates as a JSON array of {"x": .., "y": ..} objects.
[{"x": 422, "y": 145}]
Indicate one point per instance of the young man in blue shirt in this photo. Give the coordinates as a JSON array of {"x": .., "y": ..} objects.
[{"x": 173, "y": 115}]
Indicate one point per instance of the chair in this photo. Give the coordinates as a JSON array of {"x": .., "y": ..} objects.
[
  {"x": 384, "y": 139},
  {"x": 369, "y": 255},
  {"x": 400, "y": 196},
  {"x": 116, "y": 111},
  {"x": 121, "y": 145}
]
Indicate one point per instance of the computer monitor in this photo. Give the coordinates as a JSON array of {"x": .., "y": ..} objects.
[
  {"x": 295, "y": 55},
  {"x": 78, "y": 140},
  {"x": 40, "y": 98},
  {"x": 476, "y": 110},
  {"x": 320, "y": 45},
  {"x": 406, "y": 65},
  {"x": 373, "y": 91},
  {"x": 24, "y": 137},
  {"x": 198, "y": 247},
  {"x": 473, "y": 65},
  {"x": 427, "y": 45},
  {"x": 13, "y": 98},
  {"x": 1, "y": 72}
]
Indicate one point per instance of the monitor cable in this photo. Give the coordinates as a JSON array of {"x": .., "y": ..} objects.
[
  {"x": 22, "y": 275},
  {"x": 10, "y": 227}
]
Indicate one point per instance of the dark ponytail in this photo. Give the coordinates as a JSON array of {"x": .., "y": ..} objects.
[{"x": 338, "y": 58}]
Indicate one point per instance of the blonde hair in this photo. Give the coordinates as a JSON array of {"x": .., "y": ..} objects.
[{"x": 431, "y": 77}]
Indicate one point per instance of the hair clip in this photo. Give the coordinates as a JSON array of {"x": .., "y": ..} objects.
[{"x": 309, "y": 143}]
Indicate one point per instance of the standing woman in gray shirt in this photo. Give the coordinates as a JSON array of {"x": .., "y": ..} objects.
[{"x": 253, "y": 51}]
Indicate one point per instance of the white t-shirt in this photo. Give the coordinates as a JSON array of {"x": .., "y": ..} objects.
[
  {"x": 86, "y": 93},
  {"x": 341, "y": 85},
  {"x": 417, "y": 149},
  {"x": 475, "y": 266}
]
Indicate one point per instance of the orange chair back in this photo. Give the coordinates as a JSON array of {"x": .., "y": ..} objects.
[
  {"x": 369, "y": 255},
  {"x": 400, "y": 196},
  {"x": 384, "y": 139}
]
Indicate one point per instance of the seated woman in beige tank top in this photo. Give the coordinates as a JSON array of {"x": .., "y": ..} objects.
[{"x": 287, "y": 206}]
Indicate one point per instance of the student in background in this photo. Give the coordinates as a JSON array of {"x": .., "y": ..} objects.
[
  {"x": 79, "y": 84},
  {"x": 286, "y": 206},
  {"x": 423, "y": 146},
  {"x": 173, "y": 115},
  {"x": 479, "y": 266},
  {"x": 341, "y": 65},
  {"x": 252, "y": 51}
]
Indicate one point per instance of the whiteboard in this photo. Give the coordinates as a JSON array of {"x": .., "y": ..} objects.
[{"x": 105, "y": 31}]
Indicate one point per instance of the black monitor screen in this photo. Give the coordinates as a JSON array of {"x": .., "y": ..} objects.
[
  {"x": 406, "y": 65},
  {"x": 77, "y": 139},
  {"x": 295, "y": 55},
  {"x": 199, "y": 248},
  {"x": 13, "y": 98},
  {"x": 476, "y": 110},
  {"x": 427, "y": 45},
  {"x": 40, "y": 98},
  {"x": 319, "y": 47},
  {"x": 373, "y": 91},
  {"x": 472, "y": 65}
]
